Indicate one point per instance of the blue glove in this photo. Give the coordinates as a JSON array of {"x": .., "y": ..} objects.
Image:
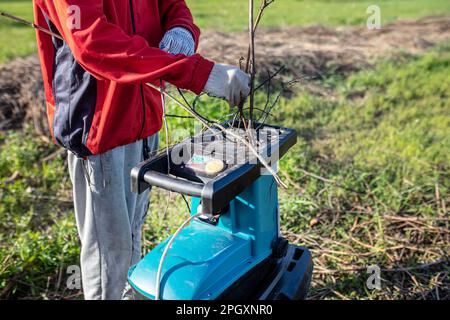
[{"x": 178, "y": 40}]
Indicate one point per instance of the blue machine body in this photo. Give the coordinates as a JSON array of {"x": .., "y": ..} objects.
[{"x": 206, "y": 259}]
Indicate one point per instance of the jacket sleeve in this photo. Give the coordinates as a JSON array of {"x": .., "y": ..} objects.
[
  {"x": 107, "y": 52},
  {"x": 175, "y": 13}
]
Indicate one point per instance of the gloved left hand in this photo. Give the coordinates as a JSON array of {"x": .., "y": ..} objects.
[{"x": 178, "y": 40}]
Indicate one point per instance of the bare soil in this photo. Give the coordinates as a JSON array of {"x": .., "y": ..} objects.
[
  {"x": 22, "y": 94},
  {"x": 312, "y": 51},
  {"x": 316, "y": 50}
]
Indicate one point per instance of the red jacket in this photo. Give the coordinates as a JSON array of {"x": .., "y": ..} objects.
[{"x": 94, "y": 79}]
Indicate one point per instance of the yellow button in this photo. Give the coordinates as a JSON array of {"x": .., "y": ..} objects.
[{"x": 214, "y": 166}]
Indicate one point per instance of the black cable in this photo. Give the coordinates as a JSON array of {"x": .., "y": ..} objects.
[
  {"x": 178, "y": 116},
  {"x": 192, "y": 107},
  {"x": 184, "y": 98},
  {"x": 185, "y": 201}
]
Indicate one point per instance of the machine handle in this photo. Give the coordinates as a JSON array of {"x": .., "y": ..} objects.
[{"x": 189, "y": 188}]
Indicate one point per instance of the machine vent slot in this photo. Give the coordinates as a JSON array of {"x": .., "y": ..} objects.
[
  {"x": 298, "y": 254},
  {"x": 291, "y": 266}
]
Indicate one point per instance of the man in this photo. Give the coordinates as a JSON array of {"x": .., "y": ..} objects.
[{"x": 100, "y": 109}]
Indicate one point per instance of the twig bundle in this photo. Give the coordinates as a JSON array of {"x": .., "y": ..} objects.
[{"x": 226, "y": 131}]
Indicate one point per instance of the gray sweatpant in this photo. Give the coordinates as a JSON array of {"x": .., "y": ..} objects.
[{"x": 109, "y": 217}]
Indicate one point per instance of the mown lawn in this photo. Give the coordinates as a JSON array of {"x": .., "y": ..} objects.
[
  {"x": 15, "y": 39},
  {"x": 374, "y": 150},
  {"x": 231, "y": 15}
]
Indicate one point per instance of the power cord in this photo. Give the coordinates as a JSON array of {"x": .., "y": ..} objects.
[
  {"x": 186, "y": 222},
  {"x": 164, "y": 254}
]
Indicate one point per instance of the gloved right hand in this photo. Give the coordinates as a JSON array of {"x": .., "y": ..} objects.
[{"x": 229, "y": 83}]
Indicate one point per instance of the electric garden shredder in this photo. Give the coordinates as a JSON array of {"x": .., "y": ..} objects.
[{"x": 233, "y": 248}]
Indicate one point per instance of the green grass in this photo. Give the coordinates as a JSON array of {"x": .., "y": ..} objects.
[
  {"x": 37, "y": 228},
  {"x": 15, "y": 39},
  {"x": 380, "y": 143},
  {"x": 383, "y": 144},
  {"x": 231, "y": 15}
]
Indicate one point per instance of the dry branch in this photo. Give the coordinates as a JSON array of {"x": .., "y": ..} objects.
[{"x": 224, "y": 130}]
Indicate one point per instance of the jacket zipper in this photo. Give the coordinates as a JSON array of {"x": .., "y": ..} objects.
[{"x": 141, "y": 89}]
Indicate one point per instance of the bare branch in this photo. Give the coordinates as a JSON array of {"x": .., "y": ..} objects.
[
  {"x": 269, "y": 78},
  {"x": 30, "y": 24},
  {"x": 253, "y": 25},
  {"x": 263, "y": 6},
  {"x": 251, "y": 30},
  {"x": 224, "y": 130}
]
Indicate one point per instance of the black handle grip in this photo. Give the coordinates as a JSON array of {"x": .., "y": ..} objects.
[{"x": 193, "y": 189}]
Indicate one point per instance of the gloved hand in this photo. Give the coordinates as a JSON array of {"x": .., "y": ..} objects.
[
  {"x": 178, "y": 40},
  {"x": 228, "y": 82}
]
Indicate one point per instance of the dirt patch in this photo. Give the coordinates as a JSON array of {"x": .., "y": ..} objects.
[
  {"x": 22, "y": 94},
  {"x": 317, "y": 50},
  {"x": 313, "y": 51}
]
